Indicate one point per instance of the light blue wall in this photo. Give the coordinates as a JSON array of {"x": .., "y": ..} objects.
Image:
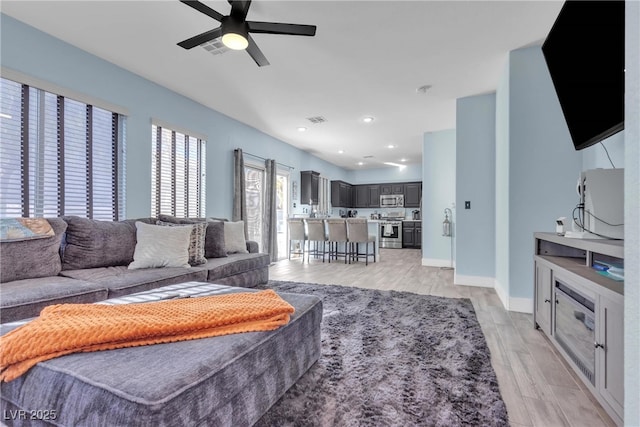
[
  {"x": 475, "y": 182},
  {"x": 632, "y": 216},
  {"x": 543, "y": 165},
  {"x": 438, "y": 193},
  {"x": 387, "y": 174},
  {"x": 596, "y": 157},
  {"x": 502, "y": 225},
  {"x": 39, "y": 55}
]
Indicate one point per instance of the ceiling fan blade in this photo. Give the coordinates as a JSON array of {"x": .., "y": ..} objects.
[
  {"x": 280, "y": 28},
  {"x": 203, "y": 8},
  {"x": 201, "y": 38},
  {"x": 254, "y": 51},
  {"x": 239, "y": 9}
]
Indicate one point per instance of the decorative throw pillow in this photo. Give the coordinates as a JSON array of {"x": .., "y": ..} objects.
[
  {"x": 234, "y": 239},
  {"x": 91, "y": 243},
  {"x": 32, "y": 258},
  {"x": 18, "y": 229},
  {"x": 196, "y": 243},
  {"x": 159, "y": 246},
  {"x": 214, "y": 246}
]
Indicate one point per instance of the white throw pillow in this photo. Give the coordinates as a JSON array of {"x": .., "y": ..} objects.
[
  {"x": 159, "y": 246},
  {"x": 234, "y": 240}
]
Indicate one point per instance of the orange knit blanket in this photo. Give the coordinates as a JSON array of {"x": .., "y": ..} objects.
[{"x": 71, "y": 328}]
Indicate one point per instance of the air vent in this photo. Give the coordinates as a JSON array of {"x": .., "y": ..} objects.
[
  {"x": 367, "y": 157},
  {"x": 215, "y": 46},
  {"x": 317, "y": 119}
]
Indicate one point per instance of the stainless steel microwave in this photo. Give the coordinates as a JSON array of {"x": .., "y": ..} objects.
[{"x": 392, "y": 201}]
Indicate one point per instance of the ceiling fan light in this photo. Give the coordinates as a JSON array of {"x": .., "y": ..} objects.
[{"x": 235, "y": 41}]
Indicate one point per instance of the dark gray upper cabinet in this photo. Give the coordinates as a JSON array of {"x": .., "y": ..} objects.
[
  {"x": 397, "y": 188},
  {"x": 341, "y": 194},
  {"x": 367, "y": 196},
  {"x": 412, "y": 194},
  {"x": 345, "y": 195},
  {"x": 309, "y": 183}
]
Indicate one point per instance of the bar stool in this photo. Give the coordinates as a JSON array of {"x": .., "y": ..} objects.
[
  {"x": 297, "y": 234},
  {"x": 316, "y": 233},
  {"x": 358, "y": 232},
  {"x": 337, "y": 234}
]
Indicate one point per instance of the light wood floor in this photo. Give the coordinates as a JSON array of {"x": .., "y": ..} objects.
[{"x": 537, "y": 386}]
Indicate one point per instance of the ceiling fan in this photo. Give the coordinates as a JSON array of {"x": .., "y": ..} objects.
[{"x": 235, "y": 29}]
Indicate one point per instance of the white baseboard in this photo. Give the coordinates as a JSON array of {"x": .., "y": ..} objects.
[
  {"x": 480, "y": 281},
  {"x": 521, "y": 305},
  {"x": 432, "y": 262},
  {"x": 502, "y": 294}
]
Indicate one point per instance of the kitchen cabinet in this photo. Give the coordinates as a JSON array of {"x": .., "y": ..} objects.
[
  {"x": 309, "y": 185},
  {"x": 412, "y": 234},
  {"x": 367, "y": 196},
  {"x": 586, "y": 319},
  {"x": 345, "y": 195},
  {"x": 412, "y": 194},
  {"x": 397, "y": 188},
  {"x": 341, "y": 194},
  {"x": 542, "y": 297},
  {"x": 610, "y": 345}
]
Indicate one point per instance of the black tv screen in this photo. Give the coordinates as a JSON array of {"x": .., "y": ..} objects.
[{"x": 584, "y": 52}]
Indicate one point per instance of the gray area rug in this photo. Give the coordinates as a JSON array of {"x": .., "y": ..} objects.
[{"x": 392, "y": 359}]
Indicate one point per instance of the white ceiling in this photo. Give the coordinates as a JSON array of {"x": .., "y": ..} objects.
[{"x": 367, "y": 59}]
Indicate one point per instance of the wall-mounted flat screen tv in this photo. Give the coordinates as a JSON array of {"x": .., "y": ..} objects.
[{"x": 584, "y": 52}]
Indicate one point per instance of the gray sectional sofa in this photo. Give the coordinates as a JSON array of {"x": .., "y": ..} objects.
[{"x": 86, "y": 261}]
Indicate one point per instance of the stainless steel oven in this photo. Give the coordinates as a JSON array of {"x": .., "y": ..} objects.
[
  {"x": 391, "y": 234},
  {"x": 574, "y": 327}
]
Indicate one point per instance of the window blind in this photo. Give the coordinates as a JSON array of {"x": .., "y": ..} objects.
[
  {"x": 177, "y": 173},
  {"x": 59, "y": 156}
]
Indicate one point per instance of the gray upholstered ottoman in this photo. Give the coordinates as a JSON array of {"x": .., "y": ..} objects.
[{"x": 220, "y": 381}]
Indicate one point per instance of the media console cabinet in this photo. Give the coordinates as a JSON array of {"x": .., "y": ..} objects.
[{"x": 581, "y": 310}]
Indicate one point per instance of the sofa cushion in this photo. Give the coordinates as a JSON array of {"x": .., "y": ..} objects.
[
  {"x": 122, "y": 281},
  {"x": 234, "y": 264},
  {"x": 91, "y": 243},
  {"x": 28, "y": 259},
  {"x": 159, "y": 246},
  {"x": 22, "y": 299}
]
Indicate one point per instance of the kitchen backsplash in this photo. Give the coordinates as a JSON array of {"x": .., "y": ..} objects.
[{"x": 367, "y": 212}]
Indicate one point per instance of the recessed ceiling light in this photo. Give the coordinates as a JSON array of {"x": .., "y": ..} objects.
[
  {"x": 368, "y": 119},
  {"x": 390, "y": 146},
  {"x": 340, "y": 151},
  {"x": 360, "y": 163},
  {"x": 302, "y": 129},
  {"x": 403, "y": 160}
]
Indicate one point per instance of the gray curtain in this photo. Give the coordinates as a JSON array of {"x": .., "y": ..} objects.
[
  {"x": 239, "y": 198},
  {"x": 269, "y": 220}
]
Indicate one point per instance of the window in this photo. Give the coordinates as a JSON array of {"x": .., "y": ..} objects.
[
  {"x": 59, "y": 156},
  {"x": 177, "y": 174}
]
